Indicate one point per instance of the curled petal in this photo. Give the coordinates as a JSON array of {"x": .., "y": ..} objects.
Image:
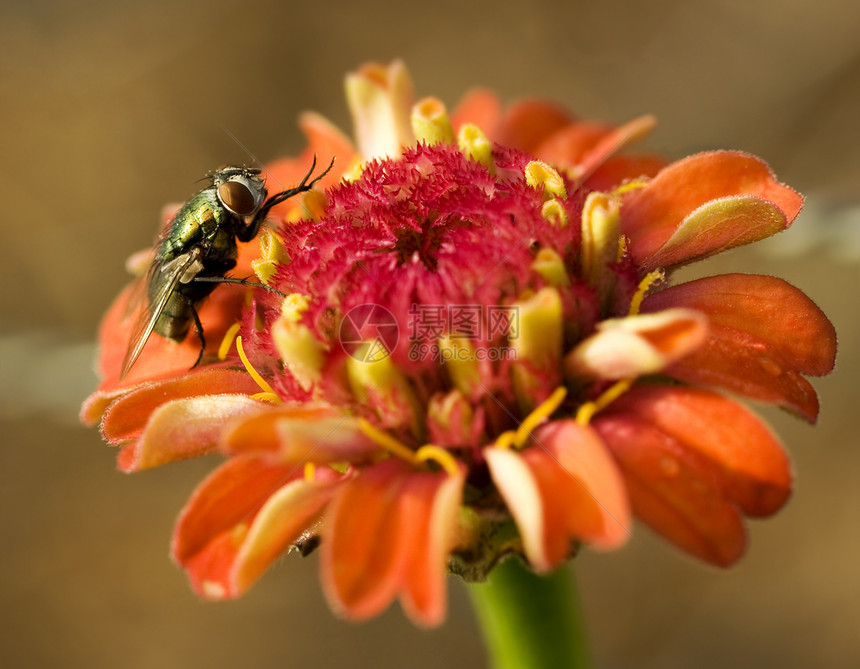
[
  {"x": 184, "y": 428},
  {"x": 704, "y": 204},
  {"x": 300, "y": 433},
  {"x": 629, "y": 347},
  {"x": 242, "y": 517},
  {"x": 389, "y": 531},
  {"x": 563, "y": 488},
  {"x": 764, "y": 333}
]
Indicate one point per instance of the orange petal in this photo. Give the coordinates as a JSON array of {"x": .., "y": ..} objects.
[
  {"x": 229, "y": 496},
  {"x": 753, "y": 470},
  {"x": 480, "y": 107},
  {"x": 569, "y": 145},
  {"x": 126, "y": 417},
  {"x": 763, "y": 334},
  {"x": 430, "y": 503},
  {"x": 242, "y": 517},
  {"x": 299, "y": 433},
  {"x": 564, "y": 487},
  {"x": 675, "y": 490},
  {"x": 364, "y": 547},
  {"x": 703, "y": 204},
  {"x": 619, "y": 169},
  {"x": 528, "y": 123},
  {"x": 284, "y": 518},
  {"x": 325, "y": 141},
  {"x": 184, "y": 428},
  {"x": 611, "y": 143}
]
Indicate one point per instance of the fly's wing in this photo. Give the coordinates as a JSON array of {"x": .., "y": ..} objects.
[{"x": 174, "y": 272}]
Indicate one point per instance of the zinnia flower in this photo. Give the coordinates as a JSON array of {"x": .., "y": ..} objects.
[{"x": 474, "y": 350}]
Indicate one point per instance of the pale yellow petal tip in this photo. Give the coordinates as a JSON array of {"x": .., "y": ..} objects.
[
  {"x": 430, "y": 122},
  {"x": 475, "y": 145},
  {"x": 380, "y": 100},
  {"x": 541, "y": 176},
  {"x": 550, "y": 266},
  {"x": 461, "y": 363},
  {"x": 638, "y": 345},
  {"x": 213, "y": 590}
]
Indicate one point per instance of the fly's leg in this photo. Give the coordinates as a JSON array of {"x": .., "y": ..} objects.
[
  {"x": 233, "y": 279},
  {"x": 198, "y": 330}
]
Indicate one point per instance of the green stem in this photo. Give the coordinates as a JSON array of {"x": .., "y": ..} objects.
[{"x": 530, "y": 621}]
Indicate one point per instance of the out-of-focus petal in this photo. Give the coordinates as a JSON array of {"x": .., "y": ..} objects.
[
  {"x": 325, "y": 142},
  {"x": 528, "y": 123},
  {"x": 764, "y": 333},
  {"x": 380, "y": 99},
  {"x": 703, "y": 204},
  {"x": 614, "y": 141},
  {"x": 637, "y": 345},
  {"x": 184, "y": 428},
  {"x": 563, "y": 488},
  {"x": 619, "y": 169},
  {"x": 480, "y": 107}
]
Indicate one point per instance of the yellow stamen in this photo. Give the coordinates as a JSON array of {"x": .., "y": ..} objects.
[
  {"x": 623, "y": 247},
  {"x": 544, "y": 410},
  {"x": 587, "y": 410},
  {"x": 540, "y": 175},
  {"x": 387, "y": 442},
  {"x": 227, "y": 342},
  {"x": 310, "y": 470},
  {"x": 440, "y": 456},
  {"x": 506, "y": 439},
  {"x": 266, "y": 397},
  {"x": 650, "y": 279},
  {"x": 553, "y": 212},
  {"x": 268, "y": 392},
  {"x": 630, "y": 185},
  {"x": 473, "y": 144}
]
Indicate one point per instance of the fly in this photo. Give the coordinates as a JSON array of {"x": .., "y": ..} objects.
[{"x": 199, "y": 248}]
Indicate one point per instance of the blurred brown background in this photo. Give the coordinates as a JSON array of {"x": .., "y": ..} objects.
[{"x": 111, "y": 110}]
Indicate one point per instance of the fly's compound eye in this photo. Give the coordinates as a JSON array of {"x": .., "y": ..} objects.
[{"x": 238, "y": 197}]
